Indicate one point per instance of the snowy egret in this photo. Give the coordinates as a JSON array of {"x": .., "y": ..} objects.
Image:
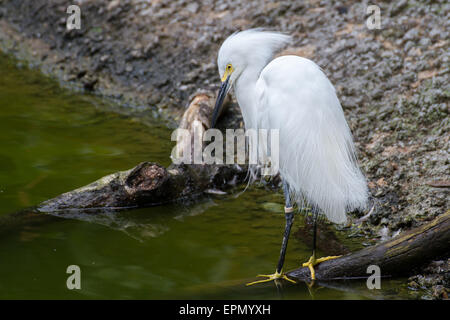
[{"x": 317, "y": 161}]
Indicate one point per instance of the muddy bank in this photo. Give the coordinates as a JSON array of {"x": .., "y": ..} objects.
[{"x": 393, "y": 82}]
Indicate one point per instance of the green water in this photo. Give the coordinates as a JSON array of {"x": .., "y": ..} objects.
[{"x": 53, "y": 140}]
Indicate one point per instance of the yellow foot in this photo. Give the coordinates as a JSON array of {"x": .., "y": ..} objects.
[
  {"x": 313, "y": 261},
  {"x": 271, "y": 277}
]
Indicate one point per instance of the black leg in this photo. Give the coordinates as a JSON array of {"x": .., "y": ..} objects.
[
  {"x": 314, "y": 234},
  {"x": 289, "y": 214}
]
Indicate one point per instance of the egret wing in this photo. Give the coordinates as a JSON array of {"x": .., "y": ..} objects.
[{"x": 317, "y": 156}]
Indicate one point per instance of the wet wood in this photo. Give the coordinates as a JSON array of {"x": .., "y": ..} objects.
[
  {"x": 148, "y": 184},
  {"x": 397, "y": 256}
]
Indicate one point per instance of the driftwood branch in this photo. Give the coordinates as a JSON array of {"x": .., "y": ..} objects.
[
  {"x": 397, "y": 256},
  {"x": 149, "y": 183}
]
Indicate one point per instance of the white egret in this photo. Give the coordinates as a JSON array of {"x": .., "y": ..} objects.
[{"x": 317, "y": 161}]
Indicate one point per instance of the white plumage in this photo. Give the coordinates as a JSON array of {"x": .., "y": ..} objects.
[{"x": 292, "y": 94}]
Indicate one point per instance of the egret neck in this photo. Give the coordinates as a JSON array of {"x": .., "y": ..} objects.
[{"x": 245, "y": 90}]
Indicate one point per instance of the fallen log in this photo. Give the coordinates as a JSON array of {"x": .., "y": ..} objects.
[
  {"x": 394, "y": 257},
  {"x": 149, "y": 183}
]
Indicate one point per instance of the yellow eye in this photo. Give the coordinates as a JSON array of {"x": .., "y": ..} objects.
[{"x": 228, "y": 71}]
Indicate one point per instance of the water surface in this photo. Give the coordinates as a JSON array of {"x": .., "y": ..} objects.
[{"x": 54, "y": 140}]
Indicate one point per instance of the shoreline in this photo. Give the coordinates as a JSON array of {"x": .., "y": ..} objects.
[{"x": 391, "y": 82}]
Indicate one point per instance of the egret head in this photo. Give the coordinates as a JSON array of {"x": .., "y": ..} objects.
[{"x": 246, "y": 50}]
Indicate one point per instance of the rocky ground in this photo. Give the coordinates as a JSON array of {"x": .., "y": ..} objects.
[
  {"x": 392, "y": 82},
  {"x": 434, "y": 279}
]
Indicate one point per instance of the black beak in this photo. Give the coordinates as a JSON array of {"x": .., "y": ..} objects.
[{"x": 219, "y": 102}]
